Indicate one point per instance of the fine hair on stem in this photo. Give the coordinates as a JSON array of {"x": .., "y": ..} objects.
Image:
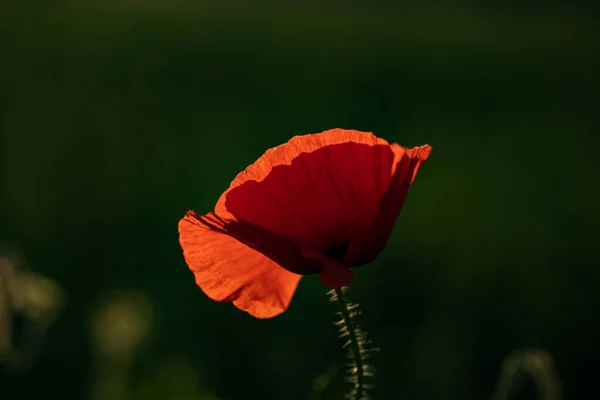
[{"x": 357, "y": 345}]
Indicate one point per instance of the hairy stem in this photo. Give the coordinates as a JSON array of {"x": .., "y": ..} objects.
[{"x": 356, "y": 343}]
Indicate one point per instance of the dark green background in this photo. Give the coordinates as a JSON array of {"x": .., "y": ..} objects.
[{"x": 117, "y": 119}]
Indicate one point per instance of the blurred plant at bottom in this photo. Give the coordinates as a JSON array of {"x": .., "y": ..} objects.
[
  {"x": 120, "y": 329},
  {"x": 535, "y": 364},
  {"x": 29, "y": 305}
]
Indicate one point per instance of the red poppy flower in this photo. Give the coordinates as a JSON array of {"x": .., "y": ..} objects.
[{"x": 320, "y": 203}]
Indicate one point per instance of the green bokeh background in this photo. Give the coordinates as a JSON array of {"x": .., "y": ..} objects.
[{"x": 116, "y": 118}]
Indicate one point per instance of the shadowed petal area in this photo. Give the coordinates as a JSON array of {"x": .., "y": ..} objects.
[
  {"x": 370, "y": 242},
  {"x": 321, "y": 198},
  {"x": 228, "y": 270}
]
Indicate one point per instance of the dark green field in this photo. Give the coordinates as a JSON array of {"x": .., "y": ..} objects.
[{"x": 115, "y": 120}]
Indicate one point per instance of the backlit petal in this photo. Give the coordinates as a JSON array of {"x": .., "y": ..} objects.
[{"x": 229, "y": 270}]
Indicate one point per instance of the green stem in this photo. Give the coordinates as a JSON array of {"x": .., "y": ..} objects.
[{"x": 356, "y": 344}]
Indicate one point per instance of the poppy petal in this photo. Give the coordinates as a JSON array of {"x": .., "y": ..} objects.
[
  {"x": 228, "y": 270},
  {"x": 319, "y": 190},
  {"x": 283, "y": 250},
  {"x": 285, "y": 153},
  {"x": 365, "y": 248}
]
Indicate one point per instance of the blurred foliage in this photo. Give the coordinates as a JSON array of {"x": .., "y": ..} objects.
[
  {"x": 117, "y": 117},
  {"x": 535, "y": 363},
  {"x": 29, "y": 305}
]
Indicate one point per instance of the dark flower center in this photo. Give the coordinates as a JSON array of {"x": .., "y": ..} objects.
[{"x": 337, "y": 252}]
